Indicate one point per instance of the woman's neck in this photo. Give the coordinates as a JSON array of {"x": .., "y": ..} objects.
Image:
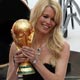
[{"x": 39, "y": 41}]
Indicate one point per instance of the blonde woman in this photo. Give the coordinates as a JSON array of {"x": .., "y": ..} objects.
[{"x": 54, "y": 51}]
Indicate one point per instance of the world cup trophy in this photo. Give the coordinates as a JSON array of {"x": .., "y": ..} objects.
[{"x": 22, "y": 34}]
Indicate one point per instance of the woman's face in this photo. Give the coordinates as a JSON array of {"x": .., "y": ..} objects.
[{"x": 46, "y": 21}]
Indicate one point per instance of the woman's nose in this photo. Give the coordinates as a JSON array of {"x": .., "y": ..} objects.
[{"x": 48, "y": 21}]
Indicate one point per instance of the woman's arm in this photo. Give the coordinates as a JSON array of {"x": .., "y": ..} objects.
[{"x": 11, "y": 74}]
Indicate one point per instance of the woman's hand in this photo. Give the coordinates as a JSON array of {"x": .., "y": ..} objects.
[
  {"x": 19, "y": 57},
  {"x": 30, "y": 53}
]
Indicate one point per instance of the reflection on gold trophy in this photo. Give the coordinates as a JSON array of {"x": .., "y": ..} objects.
[{"x": 22, "y": 33}]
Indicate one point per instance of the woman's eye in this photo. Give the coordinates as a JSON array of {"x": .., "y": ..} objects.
[{"x": 45, "y": 16}]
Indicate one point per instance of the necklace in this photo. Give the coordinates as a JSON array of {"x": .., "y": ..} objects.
[
  {"x": 38, "y": 51},
  {"x": 37, "y": 55}
]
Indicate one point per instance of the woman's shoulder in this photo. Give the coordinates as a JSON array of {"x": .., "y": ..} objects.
[
  {"x": 66, "y": 48},
  {"x": 66, "y": 43},
  {"x": 13, "y": 45},
  {"x": 13, "y": 48}
]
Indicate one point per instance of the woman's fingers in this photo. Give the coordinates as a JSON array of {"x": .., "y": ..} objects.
[
  {"x": 19, "y": 57},
  {"x": 29, "y": 52}
]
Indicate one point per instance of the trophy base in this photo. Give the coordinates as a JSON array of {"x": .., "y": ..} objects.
[
  {"x": 26, "y": 73},
  {"x": 25, "y": 70}
]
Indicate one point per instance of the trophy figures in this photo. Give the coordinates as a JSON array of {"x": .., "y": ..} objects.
[{"x": 22, "y": 33}]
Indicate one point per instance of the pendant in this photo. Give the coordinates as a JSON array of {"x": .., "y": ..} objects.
[{"x": 38, "y": 51}]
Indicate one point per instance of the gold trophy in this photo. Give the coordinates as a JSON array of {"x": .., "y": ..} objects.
[{"x": 22, "y": 33}]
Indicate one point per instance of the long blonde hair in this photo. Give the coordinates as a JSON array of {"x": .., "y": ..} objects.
[{"x": 56, "y": 40}]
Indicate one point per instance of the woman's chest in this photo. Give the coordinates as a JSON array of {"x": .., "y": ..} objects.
[{"x": 45, "y": 55}]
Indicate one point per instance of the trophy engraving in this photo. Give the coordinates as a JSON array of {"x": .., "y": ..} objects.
[{"x": 22, "y": 34}]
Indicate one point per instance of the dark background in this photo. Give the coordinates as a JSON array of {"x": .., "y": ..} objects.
[{"x": 10, "y": 11}]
